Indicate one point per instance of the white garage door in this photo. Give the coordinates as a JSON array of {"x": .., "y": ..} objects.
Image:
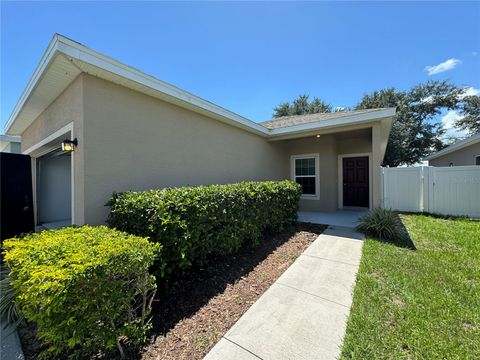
[{"x": 54, "y": 189}]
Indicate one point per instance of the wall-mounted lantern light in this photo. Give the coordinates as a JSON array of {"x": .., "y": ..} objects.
[{"x": 69, "y": 145}]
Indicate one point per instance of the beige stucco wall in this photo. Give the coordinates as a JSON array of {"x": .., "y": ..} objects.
[
  {"x": 360, "y": 144},
  {"x": 462, "y": 157},
  {"x": 67, "y": 108},
  {"x": 325, "y": 146},
  {"x": 130, "y": 141},
  {"x": 380, "y": 132},
  {"x": 136, "y": 142}
]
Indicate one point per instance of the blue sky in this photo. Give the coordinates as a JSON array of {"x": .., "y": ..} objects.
[{"x": 249, "y": 57}]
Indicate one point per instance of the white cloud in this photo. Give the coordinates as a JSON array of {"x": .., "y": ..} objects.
[
  {"x": 444, "y": 66},
  {"x": 427, "y": 100},
  {"x": 471, "y": 91},
  {"x": 448, "y": 121}
]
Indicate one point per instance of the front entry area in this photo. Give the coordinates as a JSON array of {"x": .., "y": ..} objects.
[{"x": 356, "y": 182}]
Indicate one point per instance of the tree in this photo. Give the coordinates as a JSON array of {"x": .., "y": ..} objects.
[
  {"x": 300, "y": 106},
  {"x": 470, "y": 109},
  {"x": 416, "y": 132}
]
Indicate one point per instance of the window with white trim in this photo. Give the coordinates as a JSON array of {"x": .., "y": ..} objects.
[{"x": 306, "y": 173}]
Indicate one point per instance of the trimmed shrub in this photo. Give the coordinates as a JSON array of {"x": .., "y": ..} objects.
[
  {"x": 383, "y": 224},
  {"x": 192, "y": 223},
  {"x": 88, "y": 289}
]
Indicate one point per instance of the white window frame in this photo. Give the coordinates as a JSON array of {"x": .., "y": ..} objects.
[
  {"x": 316, "y": 156},
  {"x": 475, "y": 161}
]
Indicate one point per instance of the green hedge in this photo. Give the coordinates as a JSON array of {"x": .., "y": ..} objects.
[
  {"x": 84, "y": 287},
  {"x": 192, "y": 223}
]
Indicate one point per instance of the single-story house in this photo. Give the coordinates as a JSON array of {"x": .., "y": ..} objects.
[
  {"x": 462, "y": 153},
  {"x": 10, "y": 144},
  {"x": 135, "y": 132}
]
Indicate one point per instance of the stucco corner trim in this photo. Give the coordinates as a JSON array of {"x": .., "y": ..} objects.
[{"x": 63, "y": 130}]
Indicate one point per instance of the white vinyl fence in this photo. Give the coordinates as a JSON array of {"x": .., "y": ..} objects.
[{"x": 441, "y": 190}]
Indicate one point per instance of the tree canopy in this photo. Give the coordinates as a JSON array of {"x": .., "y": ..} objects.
[
  {"x": 417, "y": 131},
  {"x": 470, "y": 109},
  {"x": 301, "y": 105}
]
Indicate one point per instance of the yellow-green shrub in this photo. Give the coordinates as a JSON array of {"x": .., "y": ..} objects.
[
  {"x": 192, "y": 223},
  {"x": 84, "y": 287}
]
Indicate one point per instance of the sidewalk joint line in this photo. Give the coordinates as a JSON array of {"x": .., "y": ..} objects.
[
  {"x": 306, "y": 292},
  {"x": 340, "y": 237},
  {"x": 336, "y": 261},
  {"x": 240, "y": 346}
]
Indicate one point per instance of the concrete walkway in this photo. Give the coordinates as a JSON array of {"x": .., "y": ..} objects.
[
  {"x": 343, "y": 217},
  {"x": 10, "y": 347},
  {"x": 303, "y": 314}
]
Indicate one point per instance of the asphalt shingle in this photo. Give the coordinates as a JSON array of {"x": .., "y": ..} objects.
[{"x": 287, "y": 121}]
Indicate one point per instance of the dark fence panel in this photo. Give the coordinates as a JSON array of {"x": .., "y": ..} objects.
[{"x": 16, "y": 198}]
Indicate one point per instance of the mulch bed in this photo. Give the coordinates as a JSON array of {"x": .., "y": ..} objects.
[{"x": 199, "y": 308}]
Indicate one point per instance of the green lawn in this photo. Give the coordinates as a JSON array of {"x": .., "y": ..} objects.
[{"x": 419, "y": 304}]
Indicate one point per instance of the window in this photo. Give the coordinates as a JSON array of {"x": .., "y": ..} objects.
[
  {"x": 305, "y": 172},
  {"x": 477, "y": 160}
]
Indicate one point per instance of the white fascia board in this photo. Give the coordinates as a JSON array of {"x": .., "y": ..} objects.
[
  {"x": 37, "y": 74},
  {"x": 61, "y": 44},
  {"x": 74, "y": 50},
  {"x": 342, "y": 121},
  {"x": 82, "y": 53}
]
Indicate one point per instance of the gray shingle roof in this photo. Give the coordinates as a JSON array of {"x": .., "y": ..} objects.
[{"x": 287, "y": 121}]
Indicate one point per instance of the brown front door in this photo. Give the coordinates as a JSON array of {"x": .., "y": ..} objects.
[{"x": 355, "y": 182}]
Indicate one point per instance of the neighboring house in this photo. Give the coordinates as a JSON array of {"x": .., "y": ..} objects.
[
  {"x": 136, "y": 132},
  {"x": 10, "y": 144},
  {"x": 462, "y": 153}
]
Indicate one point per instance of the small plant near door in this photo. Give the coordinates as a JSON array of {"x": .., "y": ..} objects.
[
  {"x": 87, "y": 289},
  {"x": 385, "y": 225}
]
